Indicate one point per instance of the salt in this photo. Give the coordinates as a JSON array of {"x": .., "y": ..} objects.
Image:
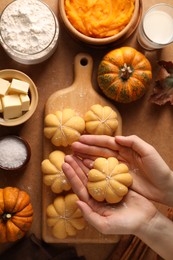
[{"x": 13, "y": 153}]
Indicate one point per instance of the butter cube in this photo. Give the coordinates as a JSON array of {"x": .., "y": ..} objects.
[
  {"x": 4, "y": 86},
  {"x": 1, "y": 108},
  {"x": 25, "y": 100},
  {"x": 12, "y": 106},
  {"x": 18, "y": 86}
]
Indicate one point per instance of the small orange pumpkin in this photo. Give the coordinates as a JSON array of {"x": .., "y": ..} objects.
[
  {"x": 16, "y": 214},
  {"x": 124, "y": 74}
]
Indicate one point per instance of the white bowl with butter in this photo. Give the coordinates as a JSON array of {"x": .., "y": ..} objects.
[{"x": 18, "y": 97}]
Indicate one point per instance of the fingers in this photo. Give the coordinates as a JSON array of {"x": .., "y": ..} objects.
[
  {"x": 78, "y": 167},
  {"x": 76, "y": 183},
  {"x": 78, "y": 180},
  {"x": 92, "y": 217},
  {"x": 99, "y": 140},
  {"x": 86, "y": 210},
  {"x": 88, "y": 163},
  {"x": 86, "y": 155},
  {"x": 92, "y": 147},
  {"x": 136, "y": 143}
]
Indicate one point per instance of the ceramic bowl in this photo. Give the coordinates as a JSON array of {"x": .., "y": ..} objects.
[
  {"x": 15, "y": 153},
  {"x": 100, "y": 41},
  {"x": 9, "y": 74}
]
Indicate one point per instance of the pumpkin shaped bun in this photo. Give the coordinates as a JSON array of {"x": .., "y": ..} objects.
[
  {"x": 64, "y": 216},
  {"x": 101, "y": 120},
  {"x": 63, "y": 127},
  {"x": 16, "y": 214},
  {"x": 124, "y": 74},
  {"x": 108, "y": 180},
  {"x": 53, "y": 174}
]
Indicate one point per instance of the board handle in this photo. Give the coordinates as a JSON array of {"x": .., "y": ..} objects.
[{"x": 83, "y": 65}]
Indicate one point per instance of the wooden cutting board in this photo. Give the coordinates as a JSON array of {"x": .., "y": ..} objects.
[{"x": 80, "y": 96}]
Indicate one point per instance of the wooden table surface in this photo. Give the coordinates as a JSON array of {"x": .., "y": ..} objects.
[{"x": 151, "y": 122}]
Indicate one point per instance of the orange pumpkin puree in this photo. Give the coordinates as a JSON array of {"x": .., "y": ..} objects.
[{"x": 99, "y": 18}]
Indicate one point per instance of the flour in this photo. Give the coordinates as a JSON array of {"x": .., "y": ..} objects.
[{"x": 27, "y": 26}]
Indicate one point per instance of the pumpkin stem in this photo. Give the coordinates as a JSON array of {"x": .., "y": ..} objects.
[
  {"x": 125, "y": 72},
  {"x": 6, "y": 216}
]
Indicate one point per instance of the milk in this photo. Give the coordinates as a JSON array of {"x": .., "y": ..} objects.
[{"x": 158, "y": 27}]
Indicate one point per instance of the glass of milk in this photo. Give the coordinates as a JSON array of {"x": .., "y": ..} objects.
[{"x": 156, "y": 28}]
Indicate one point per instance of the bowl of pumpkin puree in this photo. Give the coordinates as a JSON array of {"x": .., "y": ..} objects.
[{"x": 99, "y": 22}]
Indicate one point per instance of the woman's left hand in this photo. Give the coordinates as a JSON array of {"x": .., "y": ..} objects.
[{"x": 127, "y": 217}]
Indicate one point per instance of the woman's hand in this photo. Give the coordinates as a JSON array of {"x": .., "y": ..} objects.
[
  {"x": 152, "y": 177},
  {"x": 127, "y": 217},
  {"x": 135, "y": 214}
]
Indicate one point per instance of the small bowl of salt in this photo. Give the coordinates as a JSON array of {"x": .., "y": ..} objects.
[{"x": 15, "y": 153}]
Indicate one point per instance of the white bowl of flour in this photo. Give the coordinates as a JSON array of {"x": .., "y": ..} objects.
[{"x": 29, "y": 31}]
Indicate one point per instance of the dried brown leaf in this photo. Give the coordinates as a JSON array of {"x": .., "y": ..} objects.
[{"x": 163, "y": 89}]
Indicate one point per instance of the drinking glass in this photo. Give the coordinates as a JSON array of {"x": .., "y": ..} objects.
[{"x": 156, "y": 27}]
